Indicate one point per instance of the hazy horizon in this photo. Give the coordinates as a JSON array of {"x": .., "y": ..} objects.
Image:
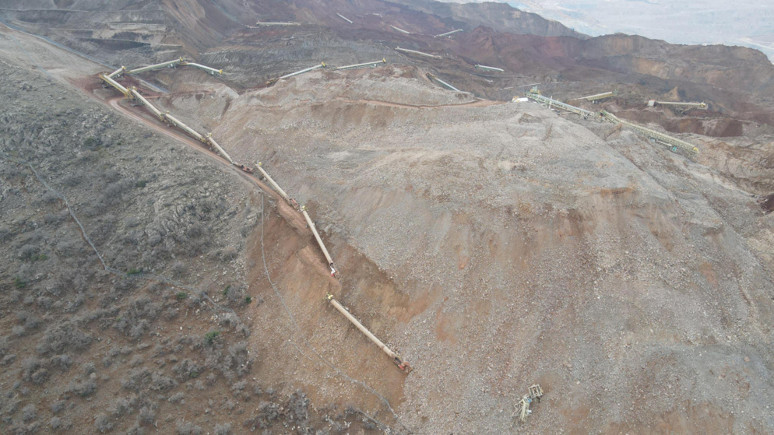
[{"x": 747, "y": 23}]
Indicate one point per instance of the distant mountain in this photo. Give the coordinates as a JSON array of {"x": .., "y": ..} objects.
[
  {"x": 745, "y": 22},
  {"x": 499, "y": 16}
]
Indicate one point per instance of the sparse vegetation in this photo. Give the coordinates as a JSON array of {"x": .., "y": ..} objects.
[
  {"x": 211, "y": 336},
  {"x": 187, "y": 428},
  {"x": 91, "y": 142},
  {"x": 103, "y": 423}
]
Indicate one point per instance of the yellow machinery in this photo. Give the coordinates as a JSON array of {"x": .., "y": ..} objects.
[{"x": 534, "y": 393}]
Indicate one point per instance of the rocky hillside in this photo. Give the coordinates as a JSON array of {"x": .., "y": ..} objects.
[
  {"x": 494, "y": 244},
  {"x": 126, "y": 294}
]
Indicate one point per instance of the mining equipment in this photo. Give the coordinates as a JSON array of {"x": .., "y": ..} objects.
[
  {"x": 534, "y": 393},
  {"x": 396, "y": 359}
]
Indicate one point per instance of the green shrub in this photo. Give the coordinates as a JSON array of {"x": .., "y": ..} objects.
[
  {"x": 19, "y": 283},
  {"x": 39, "y": 257},
  {"x": 181, "y": 296},
  {"x": 134, "y": 271},
  {"x": 210, "y": 337}
]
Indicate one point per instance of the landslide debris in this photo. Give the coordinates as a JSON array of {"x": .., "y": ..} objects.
[{"x": 532, "y": 247}]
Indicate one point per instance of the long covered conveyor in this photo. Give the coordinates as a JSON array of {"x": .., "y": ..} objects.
[
  {"x": 210, "y": 70},
  {"x": 273, "y": 183},
  {"x": 169, "y": 64},
  {"x": 218, "y": 148},
  {"x": 147, "y": 104},
  {"x": 116, "y": 85},
  {"x": 653, "y": 134},
  {"x": 311, "y": 68},
  {"x": 679, "y": 104},
  {"x": 403, "y": 365},
  {"x": 179, "y": 124},
  {"x": 443, "y": 83},
  {"x": 319, "y": 239},
  {"x": 550, "y": 102},
  {"x": 362, "y": 65},
  {"x": 420, "y": 53}
]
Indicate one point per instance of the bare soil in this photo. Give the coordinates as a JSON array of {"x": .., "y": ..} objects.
[{"x": 494, "y": 245}]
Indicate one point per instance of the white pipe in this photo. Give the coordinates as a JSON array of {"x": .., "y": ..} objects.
[
  {"x": 147, "y": 104},
  {"x": 400, "y": 30},
  {"x": 273, "y": 183},
  {"x": 204, "y": 67},
  {"x": 701, "y": 105},
  {"x": 657, "y": 135},
  {"x": 490, "y": 68},
  {"x": 374, "y": 63},
  {"x": 597, "y": 96},
  {"x": 219, "y": 148},
  {"x": 157, "y": 66},
  {"x": 117, "y": 72},
  {"x": 447, "y": 33},
  {"x": 533, "y": 94},
  {"x": 317, "y": 236},
  {"x": 344, "y": 18},
  {"x": 276, "y": 23},
  {"x": 444, "y": 83},
  {"x": 311, "y": 68},
  {"x": 406, "y": 50},
  {"x": 362, "y": 328},
  {"x": 185, "y": 128},
  {"x": 114, "y": 84}
]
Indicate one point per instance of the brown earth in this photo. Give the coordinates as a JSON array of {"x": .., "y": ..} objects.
[{"x": 494, "y": 245}]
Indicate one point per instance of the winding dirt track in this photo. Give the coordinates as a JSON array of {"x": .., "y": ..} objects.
[{"x": 294, "y": 218}]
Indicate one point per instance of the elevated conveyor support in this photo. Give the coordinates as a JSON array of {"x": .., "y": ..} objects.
[
  {"x": 420, "y": 53},
  {"x": 362, "y": 65},
  {"x": 443, "y": 83},
  {"x": 185, "y": 128},
  {"x": 311, "y": 68},
  {"x": 219, "y": 149},
  {"x": 404, "y": 366},
  {"x": 653, "y": 134},
  {"x": 147, "y": 104},
  {"x": 447, "y": 33},
  {"x": 170, "y": 64},
  {"x": 274, "y": 184},
  {"x": 535, "y": 95},
  {"x": 116, "y": 85},
  {"x": 489, "y": 68}
]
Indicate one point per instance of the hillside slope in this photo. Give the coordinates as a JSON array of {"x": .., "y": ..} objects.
[{"x": 493, "y": 244}]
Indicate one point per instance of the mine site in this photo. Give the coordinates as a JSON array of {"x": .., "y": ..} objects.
[{"x": 378, "y": 216}]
